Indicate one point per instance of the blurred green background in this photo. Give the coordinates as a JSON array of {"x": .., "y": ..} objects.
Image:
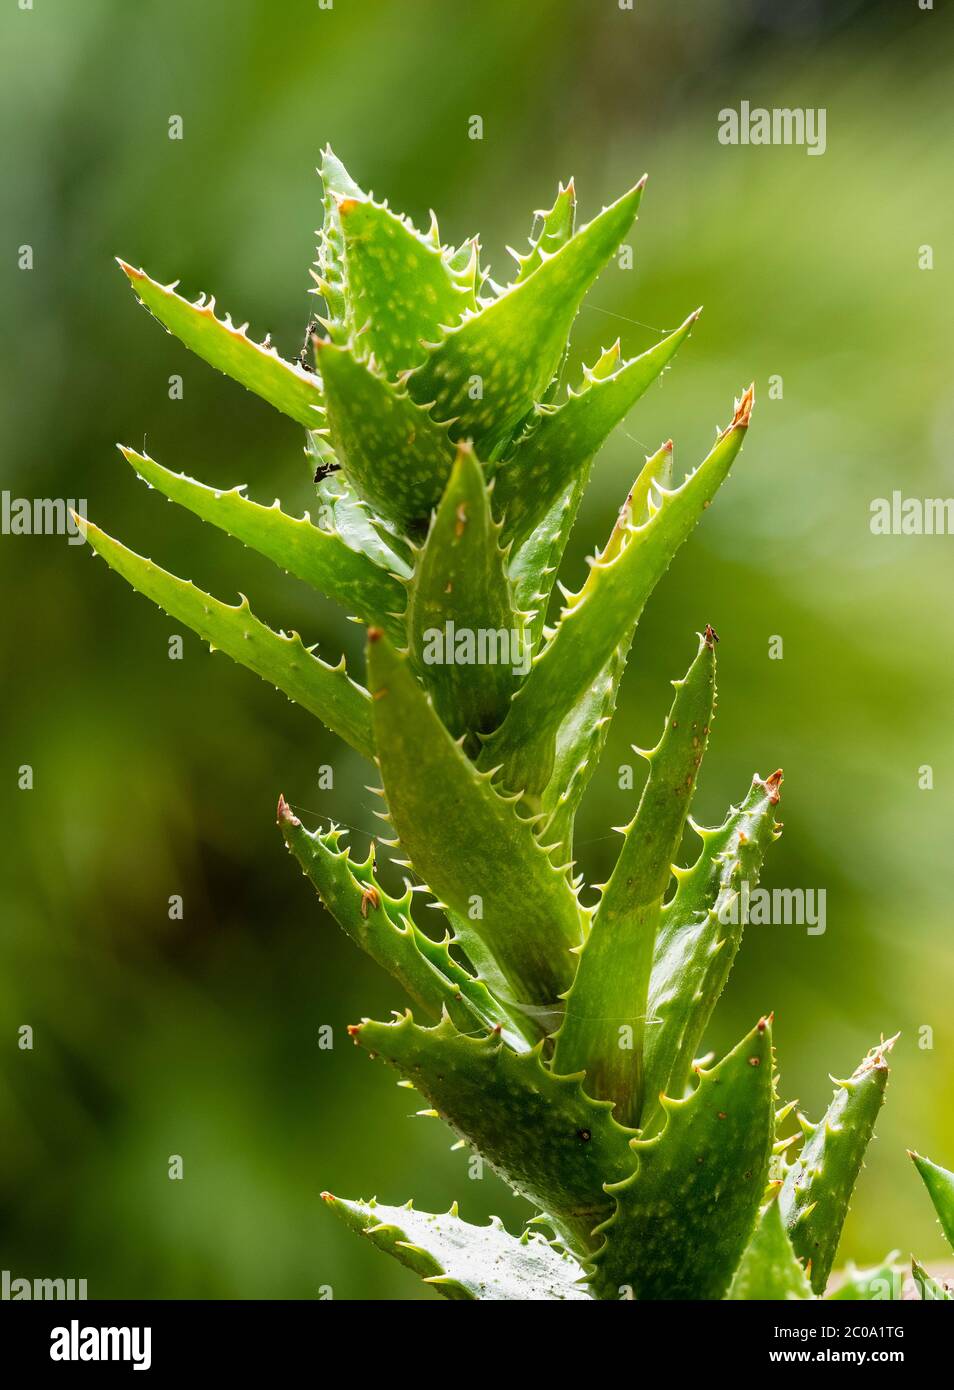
[{"x": 152, "y": 777}]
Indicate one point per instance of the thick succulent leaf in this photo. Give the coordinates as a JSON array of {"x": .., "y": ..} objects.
[
  {"x": 462, "y": 1261},
  {"x": 392, "y": 452},
  {"x": 605, "y": 1020},
  {"x": 330, "y": 272},
  {"x": 325, "y": 691},
  {"x": 579, "y": 748},
  {"x": 566, "y": 437},
  {"x": 465, "y": 639},
  {"x": 383, "y": 927},
  {"x": 601, "y": 616},
  {"x": 769, "y": 1269},
  {"x": 697, "y": 941},
  {"x": 684, "y": 1218},
  {"x": 533, "y": 569},
  {"x": 820, "y": 1180},
  {"x": 402, "y": 290},
  {"x": 341, "y": 510},
  {"x": 319, "y": 557},
  {"x": 929, "y": 1290},
  {"x": 583, "y": 733},
  {"x": 287, "y": 386},
  {"x": 883, "y": 1283},
  {"x": 539, "y": 1132},
  {"x": 468, "y": 843},
  {"x": 940, "y": 1185},
  {"x": 488, "y": 372},
  {"x": 653, "y": 480},
  {"x": 551, "y": 230}
]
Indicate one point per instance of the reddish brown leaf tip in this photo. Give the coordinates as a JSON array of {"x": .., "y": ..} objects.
[
  {"x": 773, "y": 785},
  {"x": 328, "y": 1197},
  {"x": 743, "y": 409},
  {"x": 375, "y": 634},
  {"x": 129, "y": 270},
  {"x": 286, "y": 815}
]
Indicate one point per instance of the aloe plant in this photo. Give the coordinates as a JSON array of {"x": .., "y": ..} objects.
[{"x": 561, "y": 1040}]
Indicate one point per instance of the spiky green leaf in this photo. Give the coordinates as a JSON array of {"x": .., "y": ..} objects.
[
  {"x": 383, "y": 927},
  {"x": 606, "y": 1009},
  {"x": 819, "y": 1183},
  {"x": 769, "y": 1269},
  {"x": 582, "y": 735},
  {"x": 465, "y": 639},
  {"x": 580, "y": 744},
  {"x": 601, "y": 615},
  {"x": 930, "y": 1290},
  {"x": 287, "y": 386},
  {"x": 468, "y": 843},
  {"x": 341, "y": 511},
  {"x": 699, "y": 936},
  {"x": 488, "y": 372},
  {"x": 552, "y": 229},
  {"x": 533, "y": 569},
  {"x": 320, "y": 557},
  {"x": 329, "y": 273},
  {"x": 940, "y": 1185},
  {"x": 401, "y": 288},
  {"x": 325, "y": 691},
  {"x": 464, "y": 1262},
  {"x": 684, "y": 1218},
  {"x": 566, "y": 437},
  {"x": 391, "y": 450},
  {"x": 538, "y": 1131}
]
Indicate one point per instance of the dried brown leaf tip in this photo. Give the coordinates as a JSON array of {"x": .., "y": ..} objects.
[
  {"x": 773, "y": 785},
  {"x": 286, "y": 815},
  {"x": 743, "y": 410}
]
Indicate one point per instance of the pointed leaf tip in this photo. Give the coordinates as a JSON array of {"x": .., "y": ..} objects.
[
  {"x": 773, "y": 785},
  {"x": 940, "y": 1185},
  {"x": 743, "y": 409}
]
